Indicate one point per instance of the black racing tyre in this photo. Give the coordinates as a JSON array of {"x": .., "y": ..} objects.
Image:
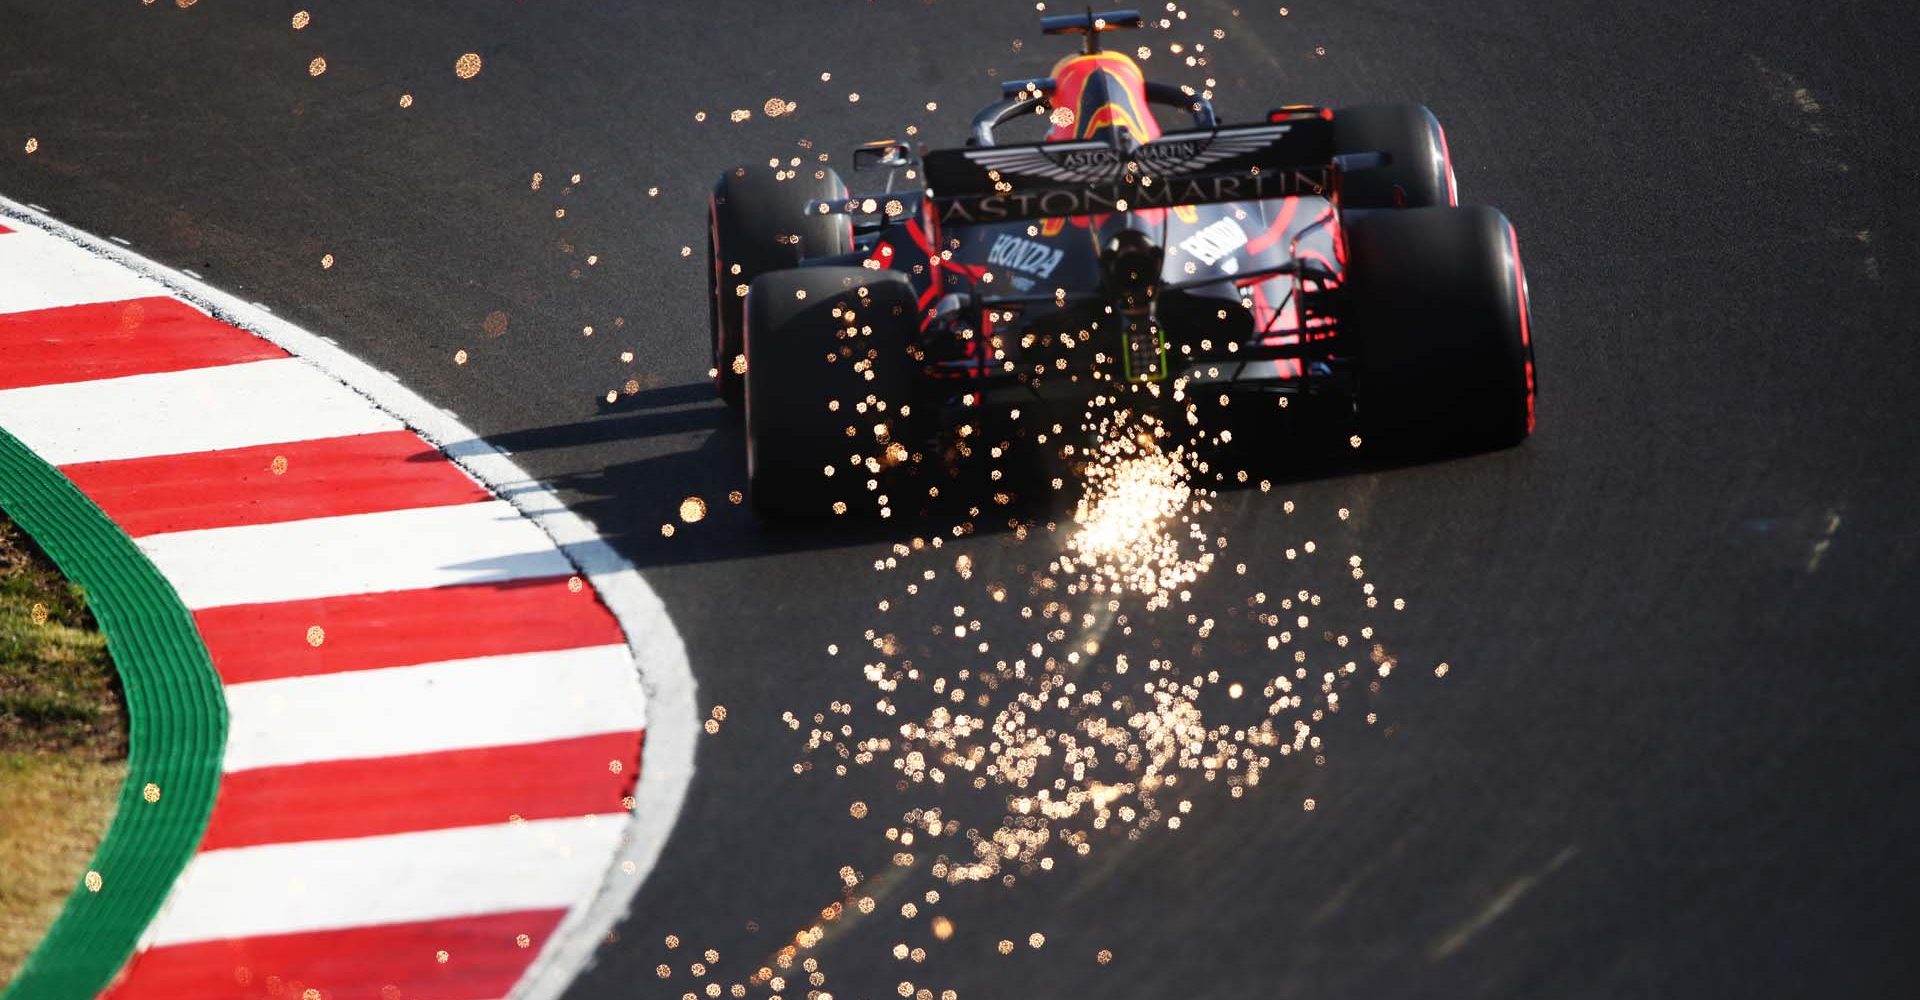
[
  {"x": 1418, "y": 172},
  {"x": 1437, "y": 302},
  {"x": 758, "y": 224},
  {"x": 819, "y": 342}
]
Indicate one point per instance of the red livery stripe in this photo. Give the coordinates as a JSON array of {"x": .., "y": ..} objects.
[
  {"x": 484, "y": 958},
  {"x": 256, "y": 642},
  {"x": 112, "y": 339},
  {"x": 335, "y": 800},
  {"x": 1260, "y": 243},
  {"x": 359, "y": 474},
  {"x": 4, "y": 230}
]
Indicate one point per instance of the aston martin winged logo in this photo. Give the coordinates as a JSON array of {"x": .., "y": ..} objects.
[
  {"x": 1066, "y": 179},
  {"x": 1172, "y": 155}
]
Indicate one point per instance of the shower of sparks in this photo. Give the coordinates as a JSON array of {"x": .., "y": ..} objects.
[
  {"x": 1080, "y": 683},
  {"x": 467, "y": 66},
  {"x": 1037, "y": 724},
  {"x": 1133, "y": 495}
]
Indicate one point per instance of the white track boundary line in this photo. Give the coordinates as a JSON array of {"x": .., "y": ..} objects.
[{"x": 666, "y": 766}]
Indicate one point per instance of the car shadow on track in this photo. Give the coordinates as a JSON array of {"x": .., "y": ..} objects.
[{"x": 691, "y": 450}]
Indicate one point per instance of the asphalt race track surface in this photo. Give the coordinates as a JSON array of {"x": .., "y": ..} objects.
[{"x": 1675, "y": 752}]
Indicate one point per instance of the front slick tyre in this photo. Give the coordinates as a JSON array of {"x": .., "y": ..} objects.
[
  {"x": 820, "y": 341},
  {"x": 1437, "y": 301},
  {"x": 758, "y": 223},
  {"x": 1419, "y": 172}
]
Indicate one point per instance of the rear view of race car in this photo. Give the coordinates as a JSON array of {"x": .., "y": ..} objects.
[{"x": 1317, "y": 258}]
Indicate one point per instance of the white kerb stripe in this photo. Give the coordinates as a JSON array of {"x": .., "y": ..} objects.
[
  {"x": 329, "y": 884},
  {"x": 484, "y": 542},
  {"x": 44, "y": 272},
  {"x": 201, "y": 409},
  {"x": 456, "y": 705},
  {"x": 672, "y": 701}
]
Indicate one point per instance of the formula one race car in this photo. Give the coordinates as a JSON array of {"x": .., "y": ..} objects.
[{"x": 1317, "y": 256}]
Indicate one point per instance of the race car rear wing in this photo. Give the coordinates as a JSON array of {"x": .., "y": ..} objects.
[{"x": 1282, "y": 158}]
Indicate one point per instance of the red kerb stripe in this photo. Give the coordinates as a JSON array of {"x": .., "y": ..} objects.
[
  {"x": 256, "y": 642},
  {"x": 336, "y": 800},
  {"x": 484, "y": 958},
  {"x": 359, "y": 474},
  {"x": 112, "y": 339}
]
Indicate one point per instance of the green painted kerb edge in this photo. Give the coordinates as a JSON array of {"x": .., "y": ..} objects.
[{"x": 177, "y": 721}]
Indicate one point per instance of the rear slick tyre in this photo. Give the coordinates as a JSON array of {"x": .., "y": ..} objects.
[
  {"x": 1437, "y": 302},
  {"x": 821, "y": 341}
]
